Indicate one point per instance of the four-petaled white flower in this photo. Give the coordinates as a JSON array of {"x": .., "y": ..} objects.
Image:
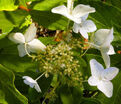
[
  {"x": 102, "y": 41},
  {"x": 101, "y": 77},
  {"x": 32, "y": 83},
  {"x": 84, "y": 27},
  {"x": 27, "y": 42},
  {"x": 74, "y": 14}
]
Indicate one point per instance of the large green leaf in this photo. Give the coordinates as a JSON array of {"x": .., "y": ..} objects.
[
  {"x": 8, "y": 93},
  {"x": 46, "y": 5},
  {"x": 49, "y": 20},
  {"x": 10, "y": 59},
  {"x": 9, "y": 20},
  {"x": 90, "y": 101},
  {"x": 8, "y": 5},
  {"x": 47, "y": 40},
  {"x": 116, "y": 3},
  {"x": 42, "y": 14},
  {"x": 70, "y": 95}
]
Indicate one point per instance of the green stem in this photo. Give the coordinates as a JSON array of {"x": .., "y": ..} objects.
[
  {"x": 40, "y": 76},
  {"x": 85, "y": 81},
  {"x": 68, "y": 25},
  {"x": 85, "y": 51},
  {"x": 92, "y": 44},
  {"x": 51, "y": 92}
]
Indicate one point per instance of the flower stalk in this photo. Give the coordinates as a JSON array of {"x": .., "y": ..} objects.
[
  {"x": 40, "y": 76},
  {"x": 70, "y": 4}
]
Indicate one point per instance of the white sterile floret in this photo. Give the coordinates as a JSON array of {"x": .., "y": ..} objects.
[
  {"x": 28, "y": 39},
  {"x": 102, "y": 41},
  {"x": 32, "y": 83},
  {"x": 101, "y": 77},
  {"x": 74, "y": 14},
  {"x": 84, "y": 27}
]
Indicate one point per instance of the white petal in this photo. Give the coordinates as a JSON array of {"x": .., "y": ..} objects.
[
  {"x": 89, "y": 26},
  {"x": 108, "y": 39},
  {"x": 82, "y": 10},
  {"x": 93, "y": 81},
  {"x": 111, "y": 50},
  {"x": 100, "y": 36},
  {"x": 64, "y": 11},
  {"x": 106, "y": 59},
  {"x": 84, "y": 17},
  {"x": 75, "y": 19},
  {"x": 17, "y": 37},
  {"x": 96, "y": 68},
  {"x": 76, "y": 27},
  {"x": 84, "y": 27},
  {"x": 60, "y": 10},
  {"x": 106, "y": 87},
  {"x": 37, "y": 88},
  {"x": 110, "y": 73},
  {"x": 83, "y": 32},
  {"x": 29, "y": 81},
  {"x": 36, "y": 46},
  {"x": 21, "y": 50},
  {"x": 30, "y": 33}
]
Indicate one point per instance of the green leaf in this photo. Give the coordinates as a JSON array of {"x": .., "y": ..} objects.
[
  {"x": 90, "y": 101},
  {"x": 49, "y": 20},
  {"x": 116, "y": 3},
  {"x": 43, "y": 16},
  {"x": 10, "y": 59},
  {"x": 12, "y": 19},
  {"x": 46, "y": 5},
  {"x": 8, "y": 5},
  {"x": 47, "y": 40},
  {"x": 70, "y": 95},
  {"x": 8, "y": 93}
]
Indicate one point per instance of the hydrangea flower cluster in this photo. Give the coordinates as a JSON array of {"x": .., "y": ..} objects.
[{"x": 101, "y": 40}]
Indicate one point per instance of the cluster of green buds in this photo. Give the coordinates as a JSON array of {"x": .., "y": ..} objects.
[{"x": 59, "y": 60}]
